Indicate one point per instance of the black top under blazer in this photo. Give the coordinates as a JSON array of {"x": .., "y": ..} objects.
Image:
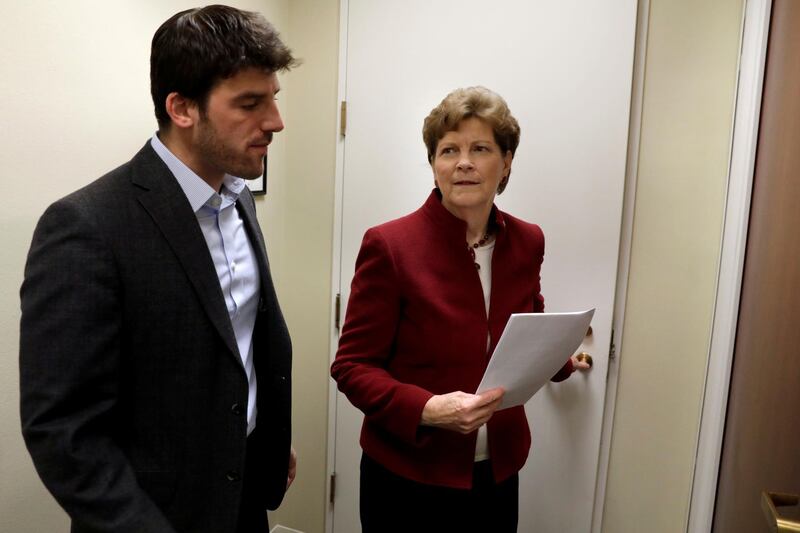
[{"x": 133, "y": 392}]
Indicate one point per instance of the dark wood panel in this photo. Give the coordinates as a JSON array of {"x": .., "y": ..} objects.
[{"x": 761, "y": 448}]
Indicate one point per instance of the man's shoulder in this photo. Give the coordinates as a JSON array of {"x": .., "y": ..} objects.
[
  {"x": 110, "y": 200},
  {"x": 116, "y": 183}
]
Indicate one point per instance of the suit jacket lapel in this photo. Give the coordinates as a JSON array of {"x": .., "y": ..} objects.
[
  {"x": 166, "y": 203},
  {"x": 247, "y": 211}
]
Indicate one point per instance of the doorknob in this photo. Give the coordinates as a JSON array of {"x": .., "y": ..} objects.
[
  {"x": 584, "y": 357},
  {"x": 777, "y": 524}
]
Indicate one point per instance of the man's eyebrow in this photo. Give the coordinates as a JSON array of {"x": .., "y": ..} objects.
[{"x": 250, "y": 95}]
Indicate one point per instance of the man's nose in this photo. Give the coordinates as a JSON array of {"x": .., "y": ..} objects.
[{"x": 273, "y": 121}]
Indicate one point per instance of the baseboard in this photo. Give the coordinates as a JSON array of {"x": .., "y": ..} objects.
[{"x": 283, "y": 529}]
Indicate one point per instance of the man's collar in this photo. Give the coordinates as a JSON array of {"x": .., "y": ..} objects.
[{"x": 197, "y": 191}]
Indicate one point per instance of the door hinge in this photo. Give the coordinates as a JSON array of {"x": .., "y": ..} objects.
[
  {"x": 333, "y": 487},
  {"x": 337, "y": 310},
  {"x": 343, "y": 119},
  {"x": 612, "y": 348}
]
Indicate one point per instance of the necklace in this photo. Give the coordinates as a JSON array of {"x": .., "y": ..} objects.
[{"x": 471, "y": 247}]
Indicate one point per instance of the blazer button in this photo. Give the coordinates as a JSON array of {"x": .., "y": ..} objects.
[
  {"x": 233, "y": 475},
  {"x": 237, "y": 409}
]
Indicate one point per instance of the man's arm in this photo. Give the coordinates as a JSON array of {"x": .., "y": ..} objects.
[{"x": 70, "y": 373}]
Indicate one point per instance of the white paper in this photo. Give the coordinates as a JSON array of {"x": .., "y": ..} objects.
[{"x": 531, "y": 350}]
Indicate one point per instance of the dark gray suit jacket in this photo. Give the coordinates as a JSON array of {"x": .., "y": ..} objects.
[{"x": 133, "y": 393}]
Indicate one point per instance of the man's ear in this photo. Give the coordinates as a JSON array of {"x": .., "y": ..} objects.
[{"x": 183, "y": 112}]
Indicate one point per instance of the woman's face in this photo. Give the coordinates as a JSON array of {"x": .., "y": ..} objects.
[{"x": 468, "y": 166}]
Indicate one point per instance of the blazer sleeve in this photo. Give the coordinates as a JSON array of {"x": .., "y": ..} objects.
[
  {"x": 365, "y": 346},
  {"x": 538, "y": 307},
  {"x": 70, "y": 374}
]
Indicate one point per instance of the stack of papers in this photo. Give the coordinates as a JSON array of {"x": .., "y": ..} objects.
[{"x": 533, "y": 347}]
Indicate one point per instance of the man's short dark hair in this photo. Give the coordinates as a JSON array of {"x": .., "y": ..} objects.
[{"x": 197, "y": 48}]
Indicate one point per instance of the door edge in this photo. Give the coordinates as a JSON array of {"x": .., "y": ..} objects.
[
  {"x": 336, "y": 265},
  {"x": 623, "y": 261}
]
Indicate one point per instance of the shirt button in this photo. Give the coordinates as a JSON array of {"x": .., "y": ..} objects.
[
  {"x": 237, "y": 409},
  {"x": 233, "y": 475},
  {"x": 233, "y": 266}
]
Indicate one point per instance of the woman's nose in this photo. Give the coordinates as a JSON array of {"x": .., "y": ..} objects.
[{"x": 465, "y": 164}]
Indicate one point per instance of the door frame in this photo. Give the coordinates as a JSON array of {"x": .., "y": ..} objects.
[
  {"x": 744, "y": 141},
  {"x": 338, "y": 194},
  {"x": 623, "y": 266}
]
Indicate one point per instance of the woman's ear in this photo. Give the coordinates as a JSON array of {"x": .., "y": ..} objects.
[
  {"x": 506, "y": 172},
  {"x": 507, "y": 159}
]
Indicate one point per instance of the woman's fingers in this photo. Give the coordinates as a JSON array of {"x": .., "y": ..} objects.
[
  {"x": 460, "y": 411},
  {"x": 577, "y": 364},
  {"x": 492, "y": 395}
]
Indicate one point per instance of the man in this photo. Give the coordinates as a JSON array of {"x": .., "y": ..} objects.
[{"x": 155, "y": 363}]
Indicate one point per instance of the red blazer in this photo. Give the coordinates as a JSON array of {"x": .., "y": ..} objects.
[{"x": 416, "y": 326}]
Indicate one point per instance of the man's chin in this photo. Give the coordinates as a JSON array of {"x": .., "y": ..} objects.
[{"x": 249, "y": 173}]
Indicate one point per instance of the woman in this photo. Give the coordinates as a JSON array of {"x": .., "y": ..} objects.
[{"x": 431, "y": 295}]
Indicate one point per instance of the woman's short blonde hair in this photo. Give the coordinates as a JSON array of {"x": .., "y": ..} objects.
[{"x": 468, "y": 102}]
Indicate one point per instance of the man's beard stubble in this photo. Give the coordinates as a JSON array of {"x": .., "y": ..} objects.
[{"x": 224, "y": 158}]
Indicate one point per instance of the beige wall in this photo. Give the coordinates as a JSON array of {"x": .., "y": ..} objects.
[
  {"x": 74, "y": 102},
  {"x": 305, "y": 285},
  {"x": 690, "y": 78}
]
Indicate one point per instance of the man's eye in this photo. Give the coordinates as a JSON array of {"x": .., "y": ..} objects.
[{"x": 249, "y": 106}]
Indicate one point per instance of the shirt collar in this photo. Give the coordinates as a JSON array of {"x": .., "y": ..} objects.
[{"x": 197, "y": 191}]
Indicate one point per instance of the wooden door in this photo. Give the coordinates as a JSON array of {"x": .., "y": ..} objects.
[
  {"x": 761, "y": 447},
  {"x": 565, "y": 69}
]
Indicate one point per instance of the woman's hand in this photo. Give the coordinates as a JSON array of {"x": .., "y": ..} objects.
[
  {"x": 462, "y": 412},
  {"x": 580, "y": 365}
]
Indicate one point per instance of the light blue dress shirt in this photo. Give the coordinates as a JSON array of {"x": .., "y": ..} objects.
[{"x": 233, "y": 256}]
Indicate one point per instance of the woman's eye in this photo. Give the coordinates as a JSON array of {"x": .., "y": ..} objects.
[{"x": 447, "y": 150}]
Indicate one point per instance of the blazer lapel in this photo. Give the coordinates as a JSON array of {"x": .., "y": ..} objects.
[
  {"x": 247, "y": 211},
  {"x": 166, "y": 203}
]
